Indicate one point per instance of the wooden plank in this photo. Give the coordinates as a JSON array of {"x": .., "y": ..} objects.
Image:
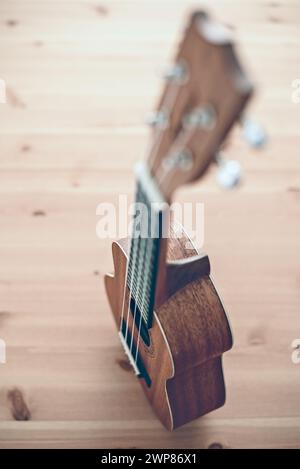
[{"x": 240, "y": 433}]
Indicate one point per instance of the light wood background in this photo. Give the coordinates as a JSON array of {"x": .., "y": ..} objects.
[{"x": 81, "y": 76}]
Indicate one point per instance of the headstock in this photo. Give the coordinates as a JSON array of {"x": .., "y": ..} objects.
[{"x": 205, "y": 94}]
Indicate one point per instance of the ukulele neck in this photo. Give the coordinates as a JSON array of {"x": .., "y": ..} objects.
[
  {"x": 205, "y": 94},
  {"x": 146, "y": 255}
]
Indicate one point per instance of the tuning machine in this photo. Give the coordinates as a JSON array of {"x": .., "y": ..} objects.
[
  {"x": 182, "y": 159},
  {"x": 158, "y": 119},
  {"x": 229, "y": 172},
  {"x": 253, "y": 132},
  {"x": 203, "y": 117},
  {"x": 177, "y": 73}
]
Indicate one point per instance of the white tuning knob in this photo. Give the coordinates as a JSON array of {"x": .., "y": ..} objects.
[
  {"x": 176, "y": 73},
  {"x": 253, "y": 133},
  {"x": 157, "y": 119},
  {"x": 229, "y": 172}
]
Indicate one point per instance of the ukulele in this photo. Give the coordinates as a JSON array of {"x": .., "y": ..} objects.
[{"x": 170, "y": 319}]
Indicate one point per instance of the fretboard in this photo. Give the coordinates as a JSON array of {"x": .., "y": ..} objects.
[{"x": 145, "y": 245}]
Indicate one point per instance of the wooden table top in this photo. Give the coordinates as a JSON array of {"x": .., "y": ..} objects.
[{"x": 81, "y": 76}]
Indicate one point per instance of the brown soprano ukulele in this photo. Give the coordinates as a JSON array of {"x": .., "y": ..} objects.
[{"x": 170, "y": 319}]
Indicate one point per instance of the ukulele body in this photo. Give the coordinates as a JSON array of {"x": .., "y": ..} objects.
[{"x": 189, "y": 334}]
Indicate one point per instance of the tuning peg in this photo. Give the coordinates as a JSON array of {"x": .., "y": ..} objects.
[
  {"x": 176, "y": 73},
  {"x": 253, "y": 132},
  {"x": 202, "y": 117},
  {"x": 157, "y": 119},
  {"x": 229, "y": 172},
  {"x": 183, "y": 159}
]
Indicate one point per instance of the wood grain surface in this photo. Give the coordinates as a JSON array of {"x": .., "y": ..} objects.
[{"x": 81, "y": 76}]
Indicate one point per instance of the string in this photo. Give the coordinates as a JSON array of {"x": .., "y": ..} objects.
[
  {"x": 164, "y": 173},
  {"x": 132, "y": 238},
  {"x": 140, "y": 275},
  {"x": 139, "y": 328},
  {"x": 131, "y": 287},
  {"x": 170, "y": 99},
  {"x": 134, "y": 316},
  {"x": 125, "y": 284},
  {"x": 131, "y": 280},
  {"x": 143, "y": 300},
  {"x": 135, "y": 306}
]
